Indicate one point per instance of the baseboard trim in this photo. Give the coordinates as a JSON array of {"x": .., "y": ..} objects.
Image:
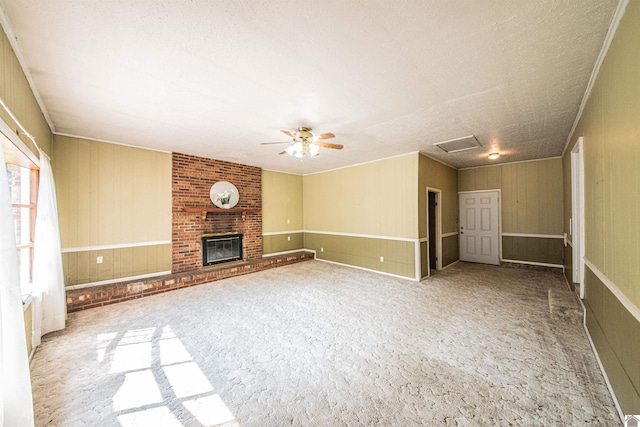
[
  {"x": 450, "y": 264},
  {"x": 595, "y": 353},
  {"x": 540, "y": 264},
  {"x": 413, "y": 279},
  {"x": 288, "y": 252}
]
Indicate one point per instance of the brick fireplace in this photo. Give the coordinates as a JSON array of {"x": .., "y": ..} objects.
[{"x": 192, "y": 178}]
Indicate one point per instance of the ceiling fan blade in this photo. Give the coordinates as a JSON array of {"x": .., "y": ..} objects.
[
  {"x": 286, "y": 132},
  {"x": 327, "y": 135},
  {"x": 270, "y": 143},
  {"x": 283, "y": 152},
  {"x": 329, "y": 145}
]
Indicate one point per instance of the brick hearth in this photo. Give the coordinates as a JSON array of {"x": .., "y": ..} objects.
[{"x": 96, "y": 296}]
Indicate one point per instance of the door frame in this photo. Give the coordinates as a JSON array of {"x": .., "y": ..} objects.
[
  {"x": 499, "y": 191},
  {"x": 438, "y": 220},
  {"x": 576, "y": 225}
]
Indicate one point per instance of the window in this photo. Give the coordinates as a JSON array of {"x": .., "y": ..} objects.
[{"x": 23, "y": 182}]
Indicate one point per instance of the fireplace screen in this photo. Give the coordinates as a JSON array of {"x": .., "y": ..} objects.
[{"x": 218, "y": 248}]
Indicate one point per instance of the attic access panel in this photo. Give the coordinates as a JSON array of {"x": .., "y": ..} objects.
[{"x": 459, "y": 144}]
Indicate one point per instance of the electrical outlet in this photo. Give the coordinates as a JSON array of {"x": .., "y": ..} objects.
[
  {"x": 99, "y": 260},
  {"x": 321, "y": 249},
  {"x": 381, "y": 259},
  {"x": 288, "y": 238}
]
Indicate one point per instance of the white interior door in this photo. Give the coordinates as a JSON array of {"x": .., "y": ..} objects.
[{"x": 480, "y": 227}]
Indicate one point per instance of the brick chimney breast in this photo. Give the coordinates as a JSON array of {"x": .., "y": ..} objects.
[{"x": 192, "y": 178}]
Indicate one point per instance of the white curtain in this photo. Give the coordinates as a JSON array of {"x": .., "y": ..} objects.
[
  {"x": 49, "y": 300},
  {"x": 16, "y": 404}
]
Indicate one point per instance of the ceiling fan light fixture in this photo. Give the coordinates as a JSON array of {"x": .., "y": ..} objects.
[
  {"x": 494, "y": 155},
  {"x": 305, "y": 144},
  {"x": 295, "y": 149},
  {"x": 303, "y": 148}
]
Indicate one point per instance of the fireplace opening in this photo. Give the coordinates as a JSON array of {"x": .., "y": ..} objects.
[{"x": 219, "y": 248}]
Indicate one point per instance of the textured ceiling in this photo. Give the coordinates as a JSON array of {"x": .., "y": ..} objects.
[{"x": 216, "y": 78}]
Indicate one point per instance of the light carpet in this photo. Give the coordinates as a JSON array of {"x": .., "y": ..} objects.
[{"x": 315, "y": 344}]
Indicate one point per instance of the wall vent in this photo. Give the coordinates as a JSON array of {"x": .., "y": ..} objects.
[{"x": 459, "y": 144}]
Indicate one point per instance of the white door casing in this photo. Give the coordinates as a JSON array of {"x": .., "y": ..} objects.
[
  {"x": 577, "y": 226},
  {"x": 480, "y": 227},
  {"x": 438, "y": 223}
]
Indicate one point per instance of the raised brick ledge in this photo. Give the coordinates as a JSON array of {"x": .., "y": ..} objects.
[{"x": 97, "y": 296}]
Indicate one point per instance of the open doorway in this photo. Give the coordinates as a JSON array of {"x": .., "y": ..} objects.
[{"x": 434, "y": 229}]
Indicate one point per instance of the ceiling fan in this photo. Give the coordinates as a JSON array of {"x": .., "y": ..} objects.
[{"x": 305, "y": 144}]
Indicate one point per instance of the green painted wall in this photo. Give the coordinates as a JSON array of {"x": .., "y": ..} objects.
[
  {"x": 275, "y": 243},
  {"x": 424, "y": 259},
  {"x": 111, "y": 195},
  {"x": 378, "y": 199},
  {"x": 532, "y": 200},
  {"x": 433, "y": 174},
  {"x": 610, "y": 127},
  {"x": 616, "y": 336},
  {"x": 281, "y": 202},
  {"x": 611, "y": 132},
  {"x": 532, "y": 203},
  {"x": 16, "y": 93},
  {"x": 81, "y": 267},
  {"x": 450, "y": 249},
  {"x": 377, "y": 202},
  {"x": 281, "y": 212},
  {"x": 365, "y": 252},
  {"x": 533, "y": 249},
  {"x": 358, "y": 214}
]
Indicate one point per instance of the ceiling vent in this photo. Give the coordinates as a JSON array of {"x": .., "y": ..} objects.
[{"x": 459, "y": 144}]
